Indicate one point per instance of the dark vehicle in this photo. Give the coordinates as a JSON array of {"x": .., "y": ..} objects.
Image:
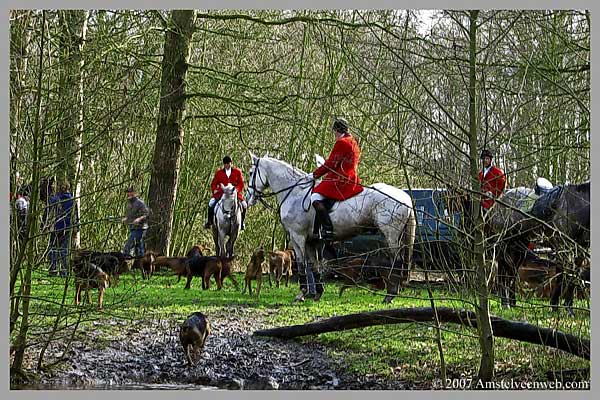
[{"x": 434, "y": 247}]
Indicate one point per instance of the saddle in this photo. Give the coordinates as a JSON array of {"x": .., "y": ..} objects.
[{"x": 545, "y": 205}]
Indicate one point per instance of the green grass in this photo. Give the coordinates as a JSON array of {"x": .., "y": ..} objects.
[{"x": 404, "y": 351}]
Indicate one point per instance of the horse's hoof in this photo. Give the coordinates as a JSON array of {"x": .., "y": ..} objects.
[{"x": 388, "y": 299}]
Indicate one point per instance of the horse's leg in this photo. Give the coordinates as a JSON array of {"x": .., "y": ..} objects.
[
  {"x": 220, "y": 244},
  {"x": 313, "y": 271},
  {"x": 570, "y": 285},
  {"x": 215, "y": 233},
  {"x": 504, "y": 260},
  {"x": 403, "y": 241},
  {"x": 395, "y": 274},
  {"x": 229, "y": 247},
  {"x": 233, "y": 236},
  {"x": 503, "y": 282},
  {"x": 298, "y": 242},
  {"x": 518, "y": 259},
  {"x": 557, "y": 291}
]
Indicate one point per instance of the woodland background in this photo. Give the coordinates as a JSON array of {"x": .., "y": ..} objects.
[{"x": 90, "y": 91}]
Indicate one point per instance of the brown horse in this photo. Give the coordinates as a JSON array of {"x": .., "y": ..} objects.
[
  {"x": 560, "y": 218},
  {"x": 564, "y": 223}
]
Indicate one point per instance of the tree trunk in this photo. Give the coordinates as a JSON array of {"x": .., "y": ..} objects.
[
  {"x": 515, "y": 330},
  {"x": 169, "y": 134},
  {"x": 486, "y": 335},
  {"x": 70, "y": 135},
  {"x": 20, "y": 35},
  {"x": 20, "y": 343}
]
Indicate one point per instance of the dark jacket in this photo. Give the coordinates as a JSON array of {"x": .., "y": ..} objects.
[
  {"x": 137, "y": 208},
  {"x": 63, "y": 209}
]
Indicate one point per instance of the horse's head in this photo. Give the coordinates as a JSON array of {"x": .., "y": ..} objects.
[
  {"x": 258, "y": 181},
  {"x": 228, "y": 190},
  {"x": 229, "y": 198}
]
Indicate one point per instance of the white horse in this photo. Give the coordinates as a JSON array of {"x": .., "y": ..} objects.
[
  {"x": 228, "y": 219},
  {"x": 381, "y": 206}
]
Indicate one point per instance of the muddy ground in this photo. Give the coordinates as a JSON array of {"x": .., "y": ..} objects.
[{"x": 147, "y": 354}]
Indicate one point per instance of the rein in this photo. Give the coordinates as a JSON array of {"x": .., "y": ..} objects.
[
  {"x": 232, "y": 212},
  {"x": 262, "y": 195}
]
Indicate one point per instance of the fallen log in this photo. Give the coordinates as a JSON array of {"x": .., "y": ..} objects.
[{"x": 515, "y": 330}]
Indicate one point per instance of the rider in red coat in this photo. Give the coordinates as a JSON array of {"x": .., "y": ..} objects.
[
  {"x": 493, "y": 181},
  {"x": 226, "y": 175},
  {"x": 341, "y": 179}
]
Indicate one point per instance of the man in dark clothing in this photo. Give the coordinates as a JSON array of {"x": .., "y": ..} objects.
[
  {"x": 136, "y": 216},
  {"x": 63, "y": 208}
]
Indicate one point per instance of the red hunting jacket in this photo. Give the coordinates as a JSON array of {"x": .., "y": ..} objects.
[
  {"x": 494, "y": 182},
  {"x": 341, "y": 179},
  {"x": 236, "y": 178}
]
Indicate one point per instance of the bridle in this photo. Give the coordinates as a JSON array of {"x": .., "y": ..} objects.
[
  {"x": 231, "y": 213},
  {"x": 260, "y": 195},
  {"x": 255, "y": 192}
]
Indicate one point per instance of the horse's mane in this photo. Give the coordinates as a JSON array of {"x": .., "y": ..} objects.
[{"x": 296, "y": 171}]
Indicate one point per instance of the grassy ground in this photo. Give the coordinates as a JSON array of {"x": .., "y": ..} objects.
[{"x": 406, "y": 351}]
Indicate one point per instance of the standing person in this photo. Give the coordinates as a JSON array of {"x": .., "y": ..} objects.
[
  {"x": 493, "y": 181},
  {"x": 63, "y": 208},
  {"x": 225, "y": 175},
  {"x": 341, "y": 182},
  {"x": 136, "y": 217},
  {"x": 22, "y": 206}
]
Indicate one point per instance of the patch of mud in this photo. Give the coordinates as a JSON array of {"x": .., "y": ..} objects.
[{"x": 147, "y": 354}]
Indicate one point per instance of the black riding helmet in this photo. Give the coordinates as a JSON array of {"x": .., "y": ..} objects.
[
  {"x": 340, "y": 125},
  {"x": 226, "y": 160},
  {"x": 486, "y": 153}
]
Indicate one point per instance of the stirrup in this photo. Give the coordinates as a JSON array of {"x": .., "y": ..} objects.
[{"x": 326, "y": 235}]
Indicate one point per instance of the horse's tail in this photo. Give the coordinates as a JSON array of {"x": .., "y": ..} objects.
[{"x": 408, "y": 238}]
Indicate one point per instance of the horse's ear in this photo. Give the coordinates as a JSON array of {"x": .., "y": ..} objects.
[{"x": 252, "y": 156}]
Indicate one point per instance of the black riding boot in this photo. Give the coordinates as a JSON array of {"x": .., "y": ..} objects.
[
  {"x": 243, "y": 218},
  {"x": 211, "y": 216},
  {"x": 323, "y": 221}
]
